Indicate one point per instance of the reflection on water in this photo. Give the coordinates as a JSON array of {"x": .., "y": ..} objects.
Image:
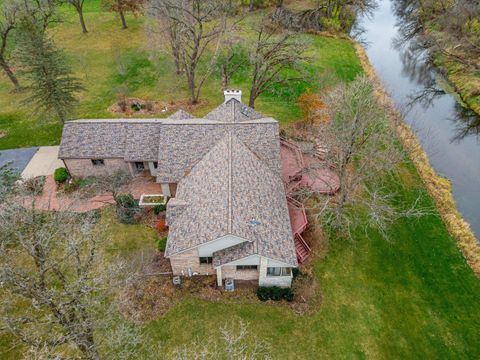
[{"x": 398, "y": 52}]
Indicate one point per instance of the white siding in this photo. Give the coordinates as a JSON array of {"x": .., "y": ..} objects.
[
  {"x": 250, "y": 260},
  {"x": 221, "y": 243}
]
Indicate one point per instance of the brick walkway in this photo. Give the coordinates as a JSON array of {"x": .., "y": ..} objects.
[{"x": 51, "y": 200}]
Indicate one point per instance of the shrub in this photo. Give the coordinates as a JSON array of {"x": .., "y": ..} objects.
[
  {"x": 275, "y": 293},
  {"x": 296, "y": 272},
  {"x": 162, "y": 243},
  {"x": 157, "y": 209},
  {"x": 60, "y": 175},
  {"x": 127, "y": 207},
  {"x": 161, "y": 225},
  {"x": 126, "y": 201},
  {"x": 263, "y": 293},
  {"x": 136, "y": 106}
]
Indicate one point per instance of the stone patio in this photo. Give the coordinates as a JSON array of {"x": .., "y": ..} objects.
[{"x": 51, "y": 200}]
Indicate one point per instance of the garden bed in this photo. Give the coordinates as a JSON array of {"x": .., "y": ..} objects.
[{"x": 152, "y": 200}]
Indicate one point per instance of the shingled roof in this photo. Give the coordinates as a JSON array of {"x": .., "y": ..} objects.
[
  {"x": 231, "y": 191},
  {"x": 170, "y": 141}
]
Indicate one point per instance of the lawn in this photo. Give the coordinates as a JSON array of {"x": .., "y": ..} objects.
[
  {"x": 410, "y": 297},
  {"x": 114, "y": 62}
]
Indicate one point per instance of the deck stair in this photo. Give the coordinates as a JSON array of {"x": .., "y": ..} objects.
[{"x": 302, "y": 249}]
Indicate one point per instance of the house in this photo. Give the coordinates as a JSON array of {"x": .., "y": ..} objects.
[{"x": 227, "y": 212}]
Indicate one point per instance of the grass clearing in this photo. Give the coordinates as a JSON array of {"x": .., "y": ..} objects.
[{"x": 113, "y": 62}]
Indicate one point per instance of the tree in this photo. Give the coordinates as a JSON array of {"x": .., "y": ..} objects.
[
  {"x": 196, "y": 27},
  {"x": 47, "y": 261},
  {"x": 234, "y": 344},
  {"x": 123, "y": 6},
  {"x": 271, "y": 55},
  {"x": 56, "y": 285},
  {"x": 362, "y": 149},
  {"x": 52, "y": 85},
  {"x": 9, "y": 14},
  {"x": 78, "y": 5},
  {"x": 232, "y": 58}
]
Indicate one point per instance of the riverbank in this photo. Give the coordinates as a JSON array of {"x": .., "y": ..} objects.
[
  {"x": 465, "y": 83},
  {"x": 438, "y": 187}
]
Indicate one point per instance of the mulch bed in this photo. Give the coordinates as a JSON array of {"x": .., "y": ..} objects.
[{"x": 134, "y": 106}]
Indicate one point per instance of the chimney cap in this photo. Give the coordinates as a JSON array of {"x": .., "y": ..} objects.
[{"x": 232, "y": 94}]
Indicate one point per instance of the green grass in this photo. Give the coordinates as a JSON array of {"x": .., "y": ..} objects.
[
  {"x": 112, "y": 61},
  {"x": 408, "y": 298}
]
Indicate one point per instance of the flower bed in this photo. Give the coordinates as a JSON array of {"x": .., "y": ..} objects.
[{"x": 152, "y": 200}]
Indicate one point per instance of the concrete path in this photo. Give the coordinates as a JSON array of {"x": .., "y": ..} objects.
[
  {"x": 43, "y": 163},
  {"x": 18, "y": 157}
]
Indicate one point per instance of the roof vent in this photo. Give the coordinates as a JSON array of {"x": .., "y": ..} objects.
[
  {"x": 233, "y": 94},
  {"x": 254, "y": 222}
]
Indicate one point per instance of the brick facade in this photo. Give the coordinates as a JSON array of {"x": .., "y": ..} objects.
[
  {"x": 230, "y": 272},
  {"x": 84, "y": 167},
  {"x": 189, "y": 259}
]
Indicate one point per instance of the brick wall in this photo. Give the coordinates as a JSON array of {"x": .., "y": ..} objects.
[
  {"x": 230, "y": 272},
  {"x": 189, "y": 259},
  {"x": 84, "y": 167}
]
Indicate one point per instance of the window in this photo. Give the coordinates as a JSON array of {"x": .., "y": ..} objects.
[
  {"x": 139, "y": 166},
  {"x": 98, "y": 162},
  {"x": 206, "y": 260},
  {"x": 278, "y": 271},
  {"x": 155, "y": 164},
  {"x": 247, "y": 267}
]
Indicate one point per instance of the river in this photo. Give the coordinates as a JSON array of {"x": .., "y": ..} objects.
[{"x": 448, "y": 132}]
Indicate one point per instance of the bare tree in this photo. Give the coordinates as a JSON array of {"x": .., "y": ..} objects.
[
  {"x": 47, "y": 261},
  {"x": 272, "y": 54},
  {"x": 56, "y": 293},
  {"x": 235, "y": 344},
  {"x": 9, "y": 14},
  {"x": 232, "y": 58},
  {"x": 196, "y": 29},
  {"x": 78, "y": 5},
  {"x": 363, "y": 150},
  {"x": 123, "y": 6}
]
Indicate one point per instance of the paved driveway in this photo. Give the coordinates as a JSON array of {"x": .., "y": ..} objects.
[
  {"x": 43, "y": 163},
  {"x": 18, "y": 157}
]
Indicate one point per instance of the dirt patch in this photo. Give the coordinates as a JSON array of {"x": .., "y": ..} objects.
[
  {"x": 3, "y": 134},
  {"x": 134, "y": 107}
]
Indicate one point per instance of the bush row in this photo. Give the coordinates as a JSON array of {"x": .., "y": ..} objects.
[{"x": 274, "y": 293}]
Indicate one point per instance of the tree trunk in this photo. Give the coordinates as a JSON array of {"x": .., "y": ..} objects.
[
  {"x": 253, "y": 97},
  {"x": 250, "y": 7},
  {"x": 9, "y": 73},
  {"x": 82, "y": 20},
  {"x": 124, "y": 22}
]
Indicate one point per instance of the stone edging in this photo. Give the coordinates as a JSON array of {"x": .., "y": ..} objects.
[{"x": 438, "y": 187}]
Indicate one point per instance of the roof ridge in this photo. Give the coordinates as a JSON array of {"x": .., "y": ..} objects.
[{"x": 230, "y": 182}]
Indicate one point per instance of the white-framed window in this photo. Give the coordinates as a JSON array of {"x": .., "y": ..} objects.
[
  {"x": 279, "y": 271},
  {"x": 247, "y": 267},
  {"x": 206, "y": 259},
  {"x": 155, "y": 164},
  {"x": 98, "y": 162}
]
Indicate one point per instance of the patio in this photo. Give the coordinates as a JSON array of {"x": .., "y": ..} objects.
[{"x": 51, "y": 199}]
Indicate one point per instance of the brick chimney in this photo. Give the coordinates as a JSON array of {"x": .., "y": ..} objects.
[{"x": 233, "y": 94}]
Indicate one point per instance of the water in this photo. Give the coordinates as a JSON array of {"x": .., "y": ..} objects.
[{"x": 448, "y": 132}]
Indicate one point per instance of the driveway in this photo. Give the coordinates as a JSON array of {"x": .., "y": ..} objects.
[
  {"x": 43, "y": 163},
  {"x": 19, "y": 158}
]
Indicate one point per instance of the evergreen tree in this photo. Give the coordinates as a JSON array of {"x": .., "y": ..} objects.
[{"x": 45, "y": 67}]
